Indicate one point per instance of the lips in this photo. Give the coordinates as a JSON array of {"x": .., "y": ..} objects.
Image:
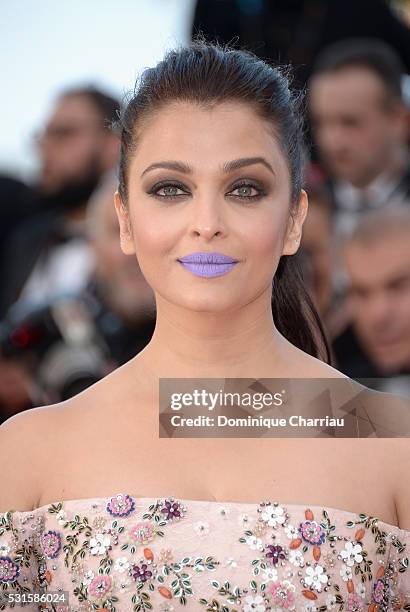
[
  {"x": 207, "y": 258},
  {"x": 208, "y": 264}
]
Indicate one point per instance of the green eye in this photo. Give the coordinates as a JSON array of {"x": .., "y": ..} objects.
[
  {"x": 245, "y": 191},
  {"x": 169, "y": 191}
]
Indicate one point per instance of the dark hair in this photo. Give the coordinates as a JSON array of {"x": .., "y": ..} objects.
[
  {"x": 370, "y": 53},
  {"x": 107, "y": 106},
  {"x": 210, "y": 73}
]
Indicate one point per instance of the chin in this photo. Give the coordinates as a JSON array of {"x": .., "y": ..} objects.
[{"x": 206, "y": 303}]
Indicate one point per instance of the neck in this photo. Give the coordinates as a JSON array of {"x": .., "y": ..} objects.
[{"x": 228, "y": 344}]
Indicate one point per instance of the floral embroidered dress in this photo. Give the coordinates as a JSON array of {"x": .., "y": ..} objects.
[{"x": 127, "y": 553}]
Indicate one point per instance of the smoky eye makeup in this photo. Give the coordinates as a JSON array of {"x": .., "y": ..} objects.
[
  {"x": 171, "y": 189},
  {"x": 245, "y": 189}
]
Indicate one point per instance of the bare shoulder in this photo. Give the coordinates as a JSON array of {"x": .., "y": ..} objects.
[
  {"x": 34, "y": 440},
  {"x": 31, "y": 441},
  {"x": 308, "y": 366},
  {"x": 23, "y": 450}
]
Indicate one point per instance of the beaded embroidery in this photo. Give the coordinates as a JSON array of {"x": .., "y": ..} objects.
[{"x": 125, "y": 553}]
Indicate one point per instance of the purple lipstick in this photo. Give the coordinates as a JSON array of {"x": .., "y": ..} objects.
[{"x": 208, "y": 264}]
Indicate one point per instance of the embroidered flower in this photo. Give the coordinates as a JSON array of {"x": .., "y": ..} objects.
[
  {"x": 354, "y": 603},
  {"x": 331, "y": 602},
  {"x": 141, "y": 572},
  {"x": 259, "y": 529},
  {"x": 86, "y": 606},
  {"x": 9, "y": 571},
  {"x": 254, "y": 543},
  {"x": 88, "y": 577},
  {"x": 61, "y": 517},
  {"x": 124, "y": 583},
  {"x": 121, "y": 564},
  {"x": 273, "y": 515},
  {"x": 296, "y": 558},
  {"x": 99, "y": 523},
  {"x": 351, "y": 553},
  {"x": 121, "y": 505},
  {"x": 254, "y": 604},
  {"x": 291, "y": 531},
  {"x": 270, "y": 574},
  {"x": 310, "y": 607},
  {"x": 4, "y": 550},
  {"x": 51, "y": 544},
  {"x": 312, "y": 533},
  {"x": 329, "y": 560},
  {"x": 345, "y": 572},
  {"x": 275, "y": 553},
  {"x": 78, "y": 570},
  {"x": 315, "y": 577},
  {"x": 378, "y": 591},
  {"x": 283, "y": 594},
  {"x": 230, "y": 562},
  {"x": 201, "y": 528},
  {"x": 172, "y": 509},
  {"x": 142, "y": 532},
  {"x": 165, "y": 556},
  {"x": 99, "y": 544},
  {"x": 361, "y": 590},
  {"x": 100, "y": 586}
]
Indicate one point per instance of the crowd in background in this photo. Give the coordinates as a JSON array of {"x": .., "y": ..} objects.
[{"x": 73, "y": 307}]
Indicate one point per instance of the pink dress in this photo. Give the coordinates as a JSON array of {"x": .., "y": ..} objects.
[{"x": 126, "y": 553}]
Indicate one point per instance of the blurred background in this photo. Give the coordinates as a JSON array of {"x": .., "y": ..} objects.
[{"x": 72, "y": 306}]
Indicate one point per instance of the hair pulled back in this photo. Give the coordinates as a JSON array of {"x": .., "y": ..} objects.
[{"x": 206, "y": 74}]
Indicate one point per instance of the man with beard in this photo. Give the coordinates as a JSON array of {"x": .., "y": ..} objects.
[{"x": 48, "y": 254}]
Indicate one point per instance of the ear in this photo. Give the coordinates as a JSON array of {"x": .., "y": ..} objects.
[
  {"x": 294, "y": 229},
  {"x": 126, "y": 237}
]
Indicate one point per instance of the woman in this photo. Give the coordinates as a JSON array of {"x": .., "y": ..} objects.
[{"x": 211, "y": 162}]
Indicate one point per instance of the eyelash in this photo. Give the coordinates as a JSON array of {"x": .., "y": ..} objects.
[{"x": 154, "y": 191}]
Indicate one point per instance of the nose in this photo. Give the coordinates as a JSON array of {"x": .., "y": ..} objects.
[{"x": 207, "y": 218}]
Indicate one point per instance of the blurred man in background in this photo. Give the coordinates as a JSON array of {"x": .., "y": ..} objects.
[
  {"x": 47, "y": 255},
  {"x": 376, "y": 343},
  {"x": 361, "y": 127}
]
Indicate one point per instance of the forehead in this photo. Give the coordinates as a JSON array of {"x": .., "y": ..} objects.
[
  {"x": 207, "y": 137},
  {"x": 347, "y": 89},
  {"x": 378, "y": 263},
  {"x": 74, "y": 108}
]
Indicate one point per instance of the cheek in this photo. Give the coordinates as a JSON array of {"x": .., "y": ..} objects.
[
  {"x": 154, "y": 242},
  {"x": 264, "y": 242},
  {"x": 151, "y": 240}
]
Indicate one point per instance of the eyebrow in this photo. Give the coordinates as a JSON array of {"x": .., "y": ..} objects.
[{"x": 226, "y": 168}]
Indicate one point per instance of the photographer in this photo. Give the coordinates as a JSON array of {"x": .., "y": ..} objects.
[{"x": 54, "y": 351}]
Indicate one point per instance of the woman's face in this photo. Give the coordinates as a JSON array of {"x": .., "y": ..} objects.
[{"x": 211, "y": 180}]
